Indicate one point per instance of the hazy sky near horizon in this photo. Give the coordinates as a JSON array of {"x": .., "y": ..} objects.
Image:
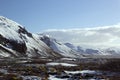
[{"x": 40, "y": 15}]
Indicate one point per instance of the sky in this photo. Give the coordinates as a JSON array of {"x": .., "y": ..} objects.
[{"x": 40, "y": 15}]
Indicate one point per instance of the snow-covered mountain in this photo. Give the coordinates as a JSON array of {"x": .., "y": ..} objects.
[
  {"x": 59, "y": 47},
  {"x": 16, "y": 41},
  {"x": 88, "y": 51}
]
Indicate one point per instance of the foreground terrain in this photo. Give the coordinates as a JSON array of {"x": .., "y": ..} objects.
[{"x": 59, "y": 69}]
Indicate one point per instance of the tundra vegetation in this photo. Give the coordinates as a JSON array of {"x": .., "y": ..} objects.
[{"x": 66, "y": 68}]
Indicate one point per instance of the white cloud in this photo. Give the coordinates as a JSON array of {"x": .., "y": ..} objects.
[{"x": 105, "y": 36}]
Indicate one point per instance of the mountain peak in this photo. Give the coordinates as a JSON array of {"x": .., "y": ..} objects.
[
  {"x": 2, "y": 17},
  {"x": 6, "y": 21},
  {"x": 17, "y": 41}
]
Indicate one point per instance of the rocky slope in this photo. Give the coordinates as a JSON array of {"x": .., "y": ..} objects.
[
  {"x": 16, "y": 41},
  {"x": 59, "y": 47}
]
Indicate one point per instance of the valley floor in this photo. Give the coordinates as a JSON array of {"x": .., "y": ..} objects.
[{"x": 59, "y": 69}]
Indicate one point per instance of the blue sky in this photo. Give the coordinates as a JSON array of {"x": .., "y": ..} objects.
[{"x": 39, "y": 15}]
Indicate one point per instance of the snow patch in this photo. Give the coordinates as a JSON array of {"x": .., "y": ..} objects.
[
  {"x": 82, "y": 72},
  {"x": 54, "y": 78},
  {"x": 62, "y": 64}
]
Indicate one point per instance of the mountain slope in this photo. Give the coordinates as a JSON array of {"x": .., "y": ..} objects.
[
  {"x": 59, "y": 47},
  {"x": 16, "y": 41}
]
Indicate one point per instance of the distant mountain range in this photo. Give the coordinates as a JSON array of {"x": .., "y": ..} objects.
[
  {"x": 108, "y": 51},
  {"x": 16, "y": 41}
]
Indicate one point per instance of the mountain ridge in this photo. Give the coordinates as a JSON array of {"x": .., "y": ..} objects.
[
  {"x": 16, "y": 41},
  {"x": 15, "y": 38}
]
